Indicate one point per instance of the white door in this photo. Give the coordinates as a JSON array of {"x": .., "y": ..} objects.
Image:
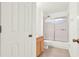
[
  {"x": 17, "y": 21},
  {"x": 73, "y": 29},
  {"x": 61, "y": 29}
]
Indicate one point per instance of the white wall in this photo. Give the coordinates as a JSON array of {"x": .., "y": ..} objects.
[
  {"x": 39, "y": 22},
  {"x": 59, "y": 14}
]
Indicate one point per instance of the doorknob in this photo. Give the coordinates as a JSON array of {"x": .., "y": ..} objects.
[
  {"x": 76, "y": 40},
  {"x": 30, "y": 35}
]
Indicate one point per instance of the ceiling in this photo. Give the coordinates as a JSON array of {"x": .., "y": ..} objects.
[{"x": 52, "y": 7}]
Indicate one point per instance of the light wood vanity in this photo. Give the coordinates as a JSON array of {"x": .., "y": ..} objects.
[{"x": 39, "y": 45}]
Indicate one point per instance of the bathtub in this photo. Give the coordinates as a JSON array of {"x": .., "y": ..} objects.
[{"x": 58, "y": 44}]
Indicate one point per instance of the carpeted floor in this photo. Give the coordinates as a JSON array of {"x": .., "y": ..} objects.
[{"x": 55, "y": 52}]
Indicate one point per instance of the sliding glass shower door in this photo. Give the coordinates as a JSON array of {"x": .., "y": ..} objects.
[
  {"x": 61, "y": 29},
  {"x": 56, "y": 29},
  {"x": 48, "y": 29}
]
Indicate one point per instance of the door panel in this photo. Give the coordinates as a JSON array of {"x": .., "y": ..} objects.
[
  {"x": 73, "y": 29},
  {"x": 16, "y": 26}
]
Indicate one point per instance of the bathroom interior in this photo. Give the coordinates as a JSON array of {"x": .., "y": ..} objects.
[
  {"x": 48, "y": 29},
  {"x": 54, "y": 17}
]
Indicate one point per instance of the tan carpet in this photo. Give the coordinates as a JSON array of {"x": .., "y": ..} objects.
[{"x": 55, "y": 52}]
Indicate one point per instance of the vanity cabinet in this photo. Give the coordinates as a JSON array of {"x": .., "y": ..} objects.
[{"x": 39, "y": 45}]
